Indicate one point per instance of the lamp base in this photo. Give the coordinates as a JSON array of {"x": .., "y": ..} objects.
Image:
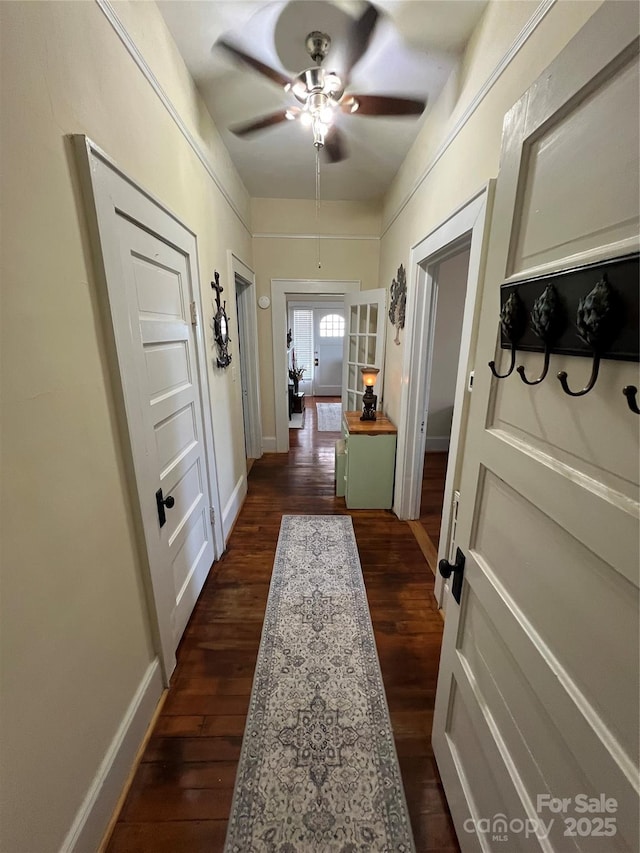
[{"x": 369, "y": 403}]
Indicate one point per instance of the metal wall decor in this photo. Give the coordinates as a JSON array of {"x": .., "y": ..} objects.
[
  {"x": 221, "y": 325},
  {"x": 398, "y": 304},
  {"x": 604, "y": 300}
]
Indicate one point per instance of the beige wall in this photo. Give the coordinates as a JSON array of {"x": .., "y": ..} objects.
[
  {"x": 75, "y": 634},
  {"x": 473, "y": 156},
  {"x": 284, "y": 246},
  {"x": 75, "y": 630},
  {"x": 452, "y": 289}
]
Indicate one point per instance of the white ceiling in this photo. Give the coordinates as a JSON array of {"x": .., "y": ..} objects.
[{"x": 415, "y": 47}]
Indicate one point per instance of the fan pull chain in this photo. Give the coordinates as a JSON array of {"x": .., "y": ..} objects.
[{"x": 318, "y": 203}]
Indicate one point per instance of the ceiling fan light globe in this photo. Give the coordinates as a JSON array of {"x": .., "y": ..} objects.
[
  {"x": 326, "y": 114},
  {"x": 333, "y": 84}
]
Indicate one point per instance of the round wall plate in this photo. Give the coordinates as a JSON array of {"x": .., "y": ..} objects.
[{"x": 264, "y": 302}]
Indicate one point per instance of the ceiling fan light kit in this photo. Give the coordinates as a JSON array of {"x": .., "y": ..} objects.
[{"x": 322, "y": 92}]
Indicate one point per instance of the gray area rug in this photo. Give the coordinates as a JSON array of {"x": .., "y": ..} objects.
[
  {"x": 329, "y": 417},
  {"x": 318, "y": 771}
]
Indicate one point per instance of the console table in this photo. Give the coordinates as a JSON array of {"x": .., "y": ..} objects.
[
  {"x": 370, "y": 461},
  {"x": 296, "y": 401}
]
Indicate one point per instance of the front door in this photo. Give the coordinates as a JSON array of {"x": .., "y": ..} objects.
[
  {"x": 328, "y": 342},
  {"x": 151, "y": 280},
  {"x": 536, "y": 720}
]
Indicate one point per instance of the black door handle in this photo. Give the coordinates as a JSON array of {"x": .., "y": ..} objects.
[
  {"x": 457, "y": 570},
  {"x": 161, "y": 503}
]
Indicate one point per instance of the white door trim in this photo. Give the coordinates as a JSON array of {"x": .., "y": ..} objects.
[
  {"x": 466, "y": 227},
  {"x": 281, "y": 289},
  {"x": 249, "y": 331},
  {"x": 99, "y": 207}
]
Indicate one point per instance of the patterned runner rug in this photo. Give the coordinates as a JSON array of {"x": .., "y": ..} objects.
[
  {"x": 329, "y": 417},
  {"x": 318, "y": 771}
]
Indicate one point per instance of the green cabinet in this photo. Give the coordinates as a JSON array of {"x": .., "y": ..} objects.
[{"x": 370, "y": 462}]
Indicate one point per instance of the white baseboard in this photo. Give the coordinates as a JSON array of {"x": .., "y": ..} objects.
[
  {"x": 233, "y": 506},
  {"x": 95, "y": 812},
  {"x": 269, "y": 444},
  {"x": 437, "y": 442}
]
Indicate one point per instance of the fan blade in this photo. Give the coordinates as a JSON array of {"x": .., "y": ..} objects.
[
  {"x": 381, "y": 105},
  {"x": 260, "y": 67},
  {"x": 260, "y": 123},
  {"x": 359, "y": 37},
  {"x": 335, "y": 147}
]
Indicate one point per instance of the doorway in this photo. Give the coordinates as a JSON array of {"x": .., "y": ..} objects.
[
  {"x": 450, "y": 277},
  {"x": 436, "y": 371},
  {"x": 244, "y": 280},
  {"x": 284, "y": 291}
]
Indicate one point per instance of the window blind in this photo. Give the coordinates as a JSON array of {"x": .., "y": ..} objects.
[{"x": 302, "y": 344}]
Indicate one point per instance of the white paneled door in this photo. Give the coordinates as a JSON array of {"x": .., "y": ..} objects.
[
  {"x": 536, "y": 721},
  {"x": 151, "y": 278}
]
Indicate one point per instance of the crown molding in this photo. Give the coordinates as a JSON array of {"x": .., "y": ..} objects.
[
  {"x": 266, "y": 235},
  {"x": 111, "y": 15},
  {"x": 538, "y": 16}
]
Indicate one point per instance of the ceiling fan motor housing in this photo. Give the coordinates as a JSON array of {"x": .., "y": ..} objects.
[
  {"x": 317, "y": 45},
  {"x": 317, "y": 80}
]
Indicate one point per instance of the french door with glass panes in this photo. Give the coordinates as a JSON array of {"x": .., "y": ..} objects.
[{"x": 363, "y": 344}]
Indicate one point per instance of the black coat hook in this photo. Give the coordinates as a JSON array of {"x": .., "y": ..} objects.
[
  {"x": 630, "y": 392},
  {"x": 594, "y": 322},
  {"x": 513, "y": 320},
  {"x": 547, "y": 321},
  {"x": 545, "y": 369},
  {"x": 562, "y": 376},
  {"x": 512, "y": 364}
]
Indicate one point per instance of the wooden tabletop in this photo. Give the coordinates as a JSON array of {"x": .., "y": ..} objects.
[{"x": 381, "y": 426}]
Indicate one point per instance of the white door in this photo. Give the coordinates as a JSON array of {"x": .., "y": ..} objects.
[
  {"x": 364, "y": 343},
  {"x": 151, "y": 282},
  {"x": 328, "y": 343},
  {"x": 537, "y": 697}
]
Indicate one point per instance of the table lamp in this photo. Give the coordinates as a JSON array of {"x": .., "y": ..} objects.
[{"x": 369, "y": 399}]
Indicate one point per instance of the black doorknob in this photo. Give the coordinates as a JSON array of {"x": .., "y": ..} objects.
[
  {"x": 161, "y": 503},
  {"x": 456, "y": 569}
]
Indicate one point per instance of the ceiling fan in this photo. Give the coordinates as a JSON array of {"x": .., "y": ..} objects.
[{"x": 322, "y": 93}]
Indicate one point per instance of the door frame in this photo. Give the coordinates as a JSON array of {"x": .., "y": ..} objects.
[
  {"x": 283, "y": 289},
  {"x": 99, "y": 212},
  {"x": 466, "y": 227},
  {"x": 248, "y": 330}
]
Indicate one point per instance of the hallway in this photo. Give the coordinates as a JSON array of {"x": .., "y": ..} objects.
[{"x": 181, "y": 793}]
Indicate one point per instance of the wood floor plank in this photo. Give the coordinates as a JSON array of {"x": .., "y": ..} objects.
[{"x": 181, "y": 794}]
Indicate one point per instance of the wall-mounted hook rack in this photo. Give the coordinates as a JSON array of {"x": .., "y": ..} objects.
[{"x": 583, "y": 292}]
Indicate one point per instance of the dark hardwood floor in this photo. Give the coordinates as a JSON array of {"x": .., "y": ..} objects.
[
  {"x": 433, "y": 477},
  {"x": 181, "y": 793}
]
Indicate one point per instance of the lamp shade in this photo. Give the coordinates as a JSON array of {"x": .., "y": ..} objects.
[{"x": 369, "y": 375}]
